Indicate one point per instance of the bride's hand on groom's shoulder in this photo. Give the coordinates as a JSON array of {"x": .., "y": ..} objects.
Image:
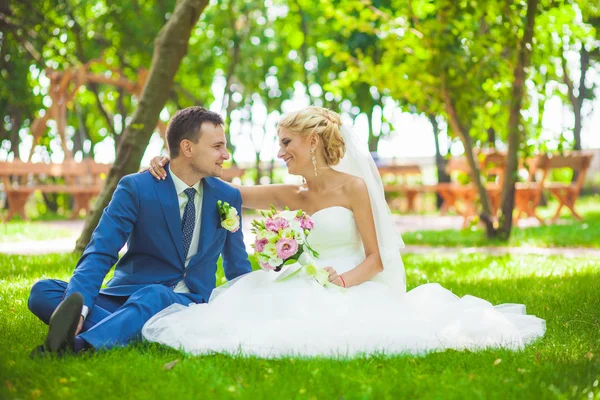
[
  {"x": 156, "y": 167},
  {"x": 334, "y": 277}
]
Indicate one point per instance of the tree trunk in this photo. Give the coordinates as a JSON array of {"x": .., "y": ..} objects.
[
  {"x": 170, "y": 46},
  {"x": 272, "y": 170},
  {"x": 229, "y": 101},
  {"x": 585, "y": 62},
  {"x": 257, "y": 166},
  {"x": 15, "y": 139},
  {"x": 234, "y": 59},
  {"x": 457, "y": 126},
  {"x": 576, "y": 101},
  {"x": 50, "y": 199},
  {"x": 257, "y": 151},
  {"x": 507, "y": 203},
  {"x": 81, "y": 135},
  {"x": 373, "y": 140},
  {"x": 440, "y": 162},
  {"x": 491, "y": 137},
  {"x": 109, "y": 119},
  {"x": 304, "y": 50},
  {"x": 123, "y": 113}
]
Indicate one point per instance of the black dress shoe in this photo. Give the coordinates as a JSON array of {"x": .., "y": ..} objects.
[
  {"x": 63, "y": 324},
  {"x": 39, "y": 351}
]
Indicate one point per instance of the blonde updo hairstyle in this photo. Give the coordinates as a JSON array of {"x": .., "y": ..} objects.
[{"x": 319, "y": 121}]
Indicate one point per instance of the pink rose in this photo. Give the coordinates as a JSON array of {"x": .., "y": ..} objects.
[
  {"x": 259, "y": 244},
  {"x": 307, "y": 223},
  {"x": 274, "y": 225},
  {"x": 286, "y": 248}
]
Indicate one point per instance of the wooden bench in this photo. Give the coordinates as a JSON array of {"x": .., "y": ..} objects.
[
  {"x": 462, "y": 197},
  {"x": 528, "y": 194},
  {"x": 405, "y": 180},
  {"x": 567, "y": 193},
  {"x": 83, "y": 180},
  {"x": 455, "y": 194}
]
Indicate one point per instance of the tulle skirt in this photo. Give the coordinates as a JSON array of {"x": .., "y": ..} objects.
[{"x": 259, "y": 315}]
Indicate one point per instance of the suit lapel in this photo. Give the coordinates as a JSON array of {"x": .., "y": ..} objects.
[
  {"x": 209, "y": 216},
  {"x": 170, "y": 207}
]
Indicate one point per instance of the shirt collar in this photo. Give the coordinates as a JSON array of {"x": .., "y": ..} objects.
[{"x": 180, "y": 185}]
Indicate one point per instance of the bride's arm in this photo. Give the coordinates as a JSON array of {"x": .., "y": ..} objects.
[
  {"x": 262, "y": 196},
  {"x": 361, "y": 207},
  {"x": 256, "y": 197}
]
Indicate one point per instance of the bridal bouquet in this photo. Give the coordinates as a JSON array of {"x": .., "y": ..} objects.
[{"x": 281, "y": 238}]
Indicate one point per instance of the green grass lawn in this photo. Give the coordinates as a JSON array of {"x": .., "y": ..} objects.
[
  {"x": 567, "y": 232},
  {"x": 17, "y": 231},
  {"x": 563, "y": 364}
]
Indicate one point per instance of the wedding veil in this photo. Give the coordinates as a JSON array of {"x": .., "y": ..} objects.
[{"x": 357, "y": 161}]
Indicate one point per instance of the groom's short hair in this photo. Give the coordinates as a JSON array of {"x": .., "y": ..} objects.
[{"x": 187, "y": 124}]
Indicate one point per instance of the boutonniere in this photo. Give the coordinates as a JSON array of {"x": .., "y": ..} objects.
[{"x": 230, "y": 219}]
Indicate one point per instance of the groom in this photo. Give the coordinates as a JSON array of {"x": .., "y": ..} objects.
[{"x": 174, "y": 238}]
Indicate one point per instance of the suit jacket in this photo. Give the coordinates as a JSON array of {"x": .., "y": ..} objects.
[{"x": 144, "y": 212}]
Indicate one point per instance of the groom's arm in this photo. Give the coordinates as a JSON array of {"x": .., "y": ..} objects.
[
  {"x": 116, "y": 223},
  {"x": 235, "y": 257}
]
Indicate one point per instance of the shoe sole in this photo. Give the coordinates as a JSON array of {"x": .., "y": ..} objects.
[{"x": 63, "y": 323}]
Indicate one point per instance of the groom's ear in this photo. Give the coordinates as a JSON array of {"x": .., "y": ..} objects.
[{"x": 185, "y": 148}]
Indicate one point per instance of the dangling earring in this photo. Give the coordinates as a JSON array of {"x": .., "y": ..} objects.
[{"x": 314, "y": 160}]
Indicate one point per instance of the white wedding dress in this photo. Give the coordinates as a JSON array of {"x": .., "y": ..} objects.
[{"x": 257, "y": 315}]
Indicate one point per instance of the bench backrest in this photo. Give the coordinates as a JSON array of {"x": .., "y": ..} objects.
[
  {"x": 408, "y": 174},
  {"x": 86, "y": 172},
  {"x": 577, "y": 161},
  {"x": 18, "y": 168},
  {"x": 400, "y": 170},
  {"x": 543, "y": 164}
]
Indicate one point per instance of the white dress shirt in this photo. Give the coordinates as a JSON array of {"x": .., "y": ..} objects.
[
  {"x": 180, "y": 187},
  {"x": 182, "y": 198}
]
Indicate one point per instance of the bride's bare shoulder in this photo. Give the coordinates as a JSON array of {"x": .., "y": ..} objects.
[{"x": 354, "y": 185}]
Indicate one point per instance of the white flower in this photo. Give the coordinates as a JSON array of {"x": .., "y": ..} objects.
[
  {"x": 262, "y": 258},
  {"x": 272, "y": 237},
  {"x": 288, "y": 215},
  {"x": 288, "y": 233},
  {"x": 275, "y": 262},
  {"x": 232, "y": 224},
  {"x": 270, "y": 250},
  {"x": 305, "y": 258},
  {"x": 295, "y": 225},
  {"x": 299, "y": 236}
]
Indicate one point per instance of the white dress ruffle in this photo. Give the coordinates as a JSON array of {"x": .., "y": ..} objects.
[{"x": 257, "y": 315}]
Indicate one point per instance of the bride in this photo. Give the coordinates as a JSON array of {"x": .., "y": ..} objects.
[{"x": 369, "y": 311}]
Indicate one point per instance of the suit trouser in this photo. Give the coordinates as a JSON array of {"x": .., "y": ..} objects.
[{"x": 114, "y": 320}]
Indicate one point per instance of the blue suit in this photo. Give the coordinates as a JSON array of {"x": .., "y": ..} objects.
[{"x": 144, "y": 212}]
